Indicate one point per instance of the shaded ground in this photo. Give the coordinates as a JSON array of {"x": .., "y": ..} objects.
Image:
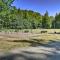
[
  {"x": 38, "y": 50},
  {"x": 50, "y": 51},
  {"x": 9, "y": 40}
]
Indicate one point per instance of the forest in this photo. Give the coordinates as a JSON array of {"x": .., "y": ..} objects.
[{"x": 13, "y": 18}]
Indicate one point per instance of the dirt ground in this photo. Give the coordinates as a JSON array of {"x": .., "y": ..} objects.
[
  {"x": 29, "y": 46},
  {"x": 51, "y": 51},
  {"x": 12, "y": 40}
]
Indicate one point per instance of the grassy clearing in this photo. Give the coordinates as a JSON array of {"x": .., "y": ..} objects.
[
  {"x": 30, "y": 30},
  {"x": 6, "y": 46},
  {"x": 35, "y": 39},
  {"x": 13, "y": 40}
]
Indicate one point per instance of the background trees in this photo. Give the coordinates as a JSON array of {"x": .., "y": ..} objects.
[
  {"x": 57, "y": 21},
  {"x": 46, "y": 21},
  {"x": 13, "y": 18}
]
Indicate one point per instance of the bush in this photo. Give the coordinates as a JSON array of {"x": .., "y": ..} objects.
[
  {"x": 16, "y": 30},
  {"x": 55, "y": 32},
  {"x": 26, "y": 31},
  {"x": 43, "y": 31}
]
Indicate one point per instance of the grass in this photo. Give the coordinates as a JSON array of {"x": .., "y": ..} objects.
[
  {"x": 6, "y": 45},
  {"x": 17, "y": 40}
]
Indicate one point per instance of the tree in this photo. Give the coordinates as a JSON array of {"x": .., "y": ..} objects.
[
  {"x": 57, "y": 21},
  {"x": 8, "y": 2},
  {"x": 46, "y": 21},
  {"x": 13, "y": 18}
]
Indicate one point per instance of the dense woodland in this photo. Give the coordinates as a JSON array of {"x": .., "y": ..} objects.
[{"x": 13, "y": 18}]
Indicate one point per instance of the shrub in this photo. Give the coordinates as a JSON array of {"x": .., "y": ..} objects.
[
  {"x": 43, "y": 31},
  {"x": 16, "y": 30},
  {"x": 26, "y": 31}
]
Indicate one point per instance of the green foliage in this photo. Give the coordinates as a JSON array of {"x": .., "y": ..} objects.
[
  {"x": 13, "y": 18},
  {"x": 57, "y": 21},
  {"x": 46, "y": 22},
  {"x": 8, "y": 2},
  {"x": 26, "y": 31}
]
